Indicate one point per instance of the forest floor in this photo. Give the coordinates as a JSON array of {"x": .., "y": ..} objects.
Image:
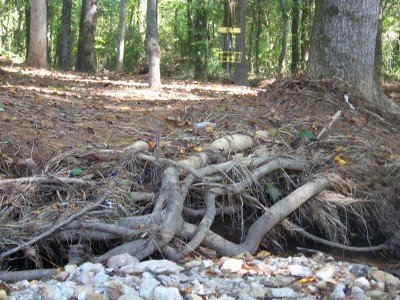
[{"x": 45, "y": 113}]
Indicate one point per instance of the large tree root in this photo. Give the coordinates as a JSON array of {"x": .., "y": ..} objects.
[{"x": 176, "y": 217}]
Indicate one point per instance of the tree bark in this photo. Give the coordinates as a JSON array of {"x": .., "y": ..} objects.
[
  {"x": 282, "y": 55},
  {"x": 87, "y": 34},
  {"x": 121, "y": 36},
  {"x": 37, "y": 51},
  {"x": 306, "y": 17},
  {"x": 200, "y": 41},
  {"x": 151, "y": 46},
  {"x": 240, "y": 76},
  {"x": 258, "y": 37},
  {"x": 343, "y": 45},
  {"x": 65, "y": 59},
  {"x": 295, "y": 36}
]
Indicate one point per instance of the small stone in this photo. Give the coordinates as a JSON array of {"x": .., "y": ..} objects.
[
  {"x": 392, "y": 281},
  {"x": 256, "y": 290},
  {"x": 193, "y": 297},
  {"x": 192, "y": 264},
  {"x": 363, "y": 283},
  {"x": 121, "y": 260},
  {"x": 95, "y": 297},
  {"x": 356, "y": 290},
  {"x": 167, "y": 293},
  {"x": 244, "y": 296},
  {"x": 208, "y": 263},
  {"x": 326, "y": 273},
  {"x": 3, "y": 295},
  {"x": 130, "y": 297},
  {"x": 359, "y": 270},
  {"x": 299, "y": 271},
  {"x": 378, "y": 275},
  {"x": 114, "y": 291},
  {"x": 282, "y": 293},
  {"x": 99, "y": 278},
  {"x": 147, "y": 286},
  {"x": 338, "y": 292},
  {"x": 226, "y": 297},
  {"x": 162, "y": 266},
  {"x": 378, "y": 295},
  {"x": 232, "y": 265},
  {"x": 53, "y": 292}
]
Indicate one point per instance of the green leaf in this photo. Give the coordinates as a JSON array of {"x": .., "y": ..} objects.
[
  {"x": 306, "y": 134},
  {"x": 75, "y": 172},
  {"x": 273, "y": 191}
]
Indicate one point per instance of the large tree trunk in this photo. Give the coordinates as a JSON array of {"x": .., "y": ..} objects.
[
  {"x": 343, "y": 44},
  {"x": 306, "y": 17},
  {"x": 37, "y": 51},
  {"x": 240, "y": 77},
  {"x": 151, "y": 45},
  {"x": 121, "y": 36},
  {"x": 65, "y": 59},
  {"x": 87, "y": 34}
]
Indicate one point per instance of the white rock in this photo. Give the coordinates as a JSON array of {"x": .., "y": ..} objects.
[
  {"x": 225, "y": 297},
  {"x": 232, "y": 265},
  {"x": 68, "y": 288},
  {"x": 193, "y": 297},
  {"x": 147, "y": 286},
  {"x": 363, "y": 283},
  {"x": 355, "y": 290},
  {"x": 129, "y": 297},
  {"x": 158, "y": 267},
  {"x": 338, "y": 292},
  {"x": 192, "y": 264},
  {"x": 99, "y": 278},
  {"x": 166, "y": 293},
  {"x": 326, "y": 273},
  {"x": 283, "y": 293},
  {"x": 208, "y": 263},
  {"x": 256, "y": 290},
  {"x": 299, "y": 271},
  {"x": 53, "y": 292},
  {"x": 121, "y": 260}
]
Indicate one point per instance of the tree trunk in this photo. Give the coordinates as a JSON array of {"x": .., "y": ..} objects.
[
  {"x": 87, "y": 34},
  {"x": 344, "y": 40},
  {"x": 65, "y": 59},
  {"x": 190, "y": 26},
  {"x": 240, "y": 77},
  {"x": 282, "y": 55},
  {"x": 305, "y": 31},
  {"x": 295, "y": 36},
  {"x": 37, "y": 51},
  {"x": 200, "y": 41},
  {"x": 121, "y": 36},
  {"x": 151, "y": 45},
  {"x": 258, "y": 37}
]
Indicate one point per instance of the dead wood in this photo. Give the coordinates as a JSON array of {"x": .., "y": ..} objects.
[{"x": 38, "y": 274}]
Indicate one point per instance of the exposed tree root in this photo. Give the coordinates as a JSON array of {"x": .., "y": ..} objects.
[{"x": 176, "y": 217}]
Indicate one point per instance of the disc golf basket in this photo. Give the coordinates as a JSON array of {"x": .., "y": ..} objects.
[{"x": 227, "y": 54}]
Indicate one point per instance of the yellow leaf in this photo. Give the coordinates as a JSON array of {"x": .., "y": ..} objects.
[
  {"x": 337, "y": 158},
  {"x": 209, "y": 128},
  {"x": 263, "y": 254},
  {"x": 306, "y": 280},
  {"x": 341, "y": 162},
  {"x": 197, "y": 148},
  {"x": 125, "y": 108}
]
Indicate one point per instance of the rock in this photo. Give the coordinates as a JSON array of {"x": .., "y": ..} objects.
[
  {"x": 355, "y": 290},
  {"x": 167, "y": 293},
  {"x": 121, "y": 260},
  {"x": 299, "y": 271},
  {"x": 326, "y": 273},
  {"x": 193, "y": 297},
  {"x": 391, "y": 281},
  {"x": 338, "y": 292},
  {"x": 208, "y": 263},
  {"x": 256, "y": 290},
  {"x": 378, "y": 295},
  {"x": 95, "y": 297},
  {"x": 359, "y": 270},
  {"x": 100, "y": 278},
  {"x": 281, "y": 293},
  {"x": 53, "y": 292},
  {"x": 130, "y": 297},
  {"x": 225, "y": 297},
  {"x": 232, "y": 265},
  {"x": 147, "y": 286},
  {"x": 378, "y": 275},
  {"x": 363, "y": 283},
  {"x": 114, "y": 291},
  {"x": 3, "y": 295},
  {"x": 158, "y": 267}
]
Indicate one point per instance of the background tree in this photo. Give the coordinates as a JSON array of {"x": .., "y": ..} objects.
[
  {"x": 344, "y": 40},
  {"x": 87, "y": 37},
  {"x": 151, "y": 45},
  {"x": 37, "y": 50},
  {"x": 121, "y": 35},
  {"x": 240, "y": 76},
  {"x": 295, "y": 36},
  {"x": 282, "y": 55},
  {"x": 200, "y": 41},
  {"x": 66, "y": 38}
]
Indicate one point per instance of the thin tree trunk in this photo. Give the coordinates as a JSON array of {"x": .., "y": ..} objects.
[
  {"x": 282, "y": 55},
  {"x": 200, "y": 40},
  {"x": 306, "y": 17},
  {"x": 37, "y": 52},
  {"x": 190, "y": 26},
  {"x": 121, "y": 36},
  {"x": 151, "y": 45},
  {"x": 240, "y": 76},
  {"x": 65, "y": 59},
  {"x": 87, "y": 35},
  {"x": 258, "y": 37},
  {"x": 295, "y": 36}
]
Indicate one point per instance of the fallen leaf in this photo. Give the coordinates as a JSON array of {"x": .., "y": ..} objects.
[
  {"x": 306, "y": 280},
  {"x": 197, "y": 148}
]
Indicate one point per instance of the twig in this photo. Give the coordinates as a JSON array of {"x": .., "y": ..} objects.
[
  {"x": 327, "y": 127},
  {"x": 53, "y": 229},
  {"x": 45, "y": 179}
]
